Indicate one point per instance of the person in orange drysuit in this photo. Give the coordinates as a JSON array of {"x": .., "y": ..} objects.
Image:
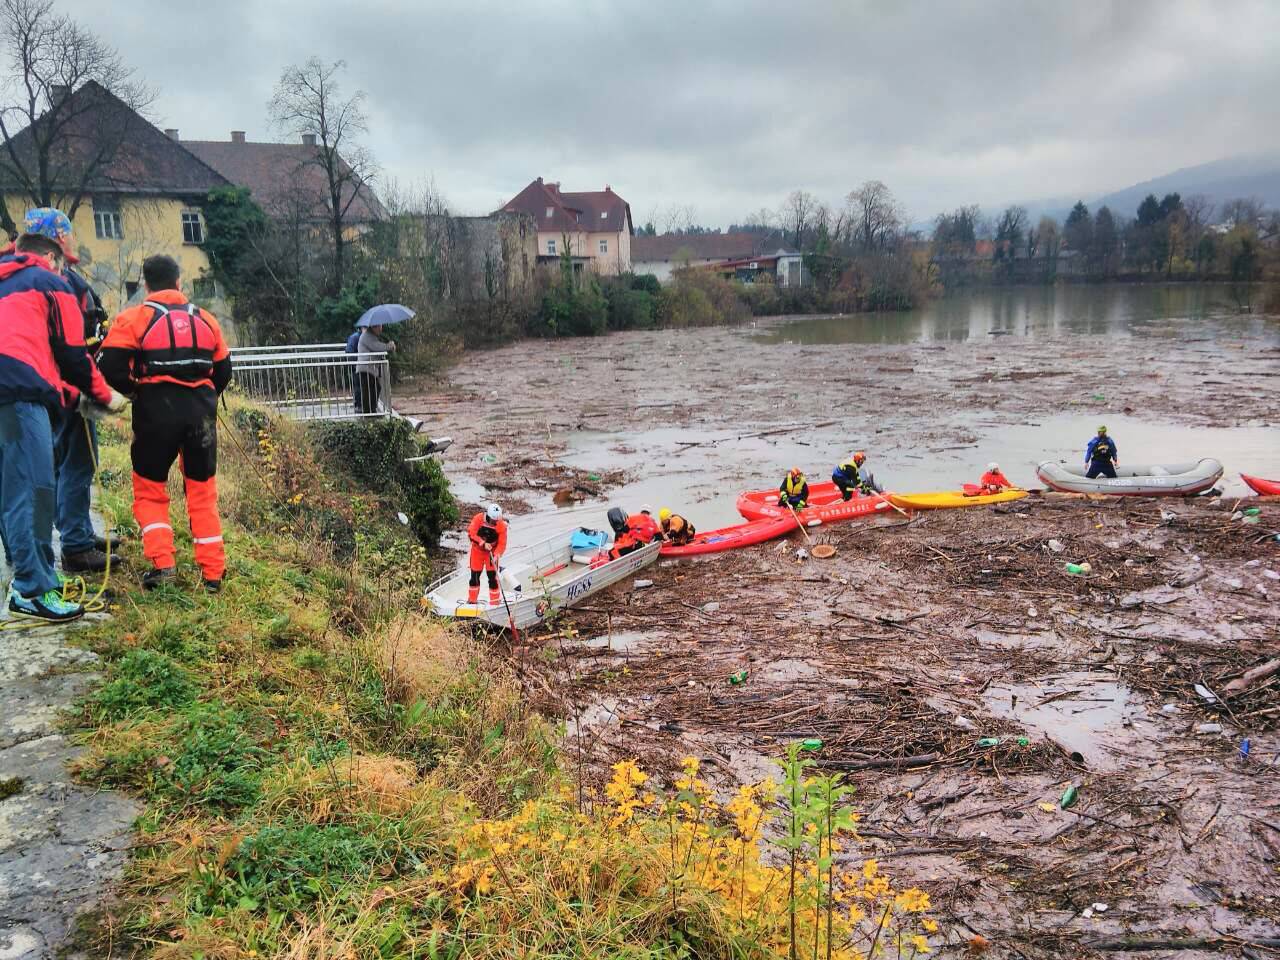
[
  {"x": 170, "y": 355},
  {"x": 644, "y": 526},
  {"x": 488, "y": 535},
  {"x": 993, "y": 481}
]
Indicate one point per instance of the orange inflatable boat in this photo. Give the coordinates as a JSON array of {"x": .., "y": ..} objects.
[{"x": 825, "y": 505}]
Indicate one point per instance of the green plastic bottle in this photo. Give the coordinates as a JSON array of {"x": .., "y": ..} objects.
[
  {"x": 1024, "y": 741},
  {"x": 1069, "y": 797},
  {"x": 737, "y": 678},
  {"x": 1252, "y": 511},
  {"x": 989, "y": 742},
  {"x": 813, "y": 743}
]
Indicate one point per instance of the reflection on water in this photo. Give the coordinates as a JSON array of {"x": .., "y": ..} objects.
[{"x": 1156, "y": 310}]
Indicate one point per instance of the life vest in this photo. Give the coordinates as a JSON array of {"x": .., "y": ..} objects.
[
  {"x": 1102, "y": 450},
  {"x": 176, "y": 347},
  {"x": 793, "y": 485},
  {"x": 850, "y": 471},
  {"x": 643, "y": 527}
]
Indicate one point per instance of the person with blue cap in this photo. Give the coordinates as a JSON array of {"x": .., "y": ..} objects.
[{"x": 42, "y": 350}]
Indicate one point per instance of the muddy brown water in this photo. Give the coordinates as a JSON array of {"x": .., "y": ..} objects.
[{"x": 967, "y": 614}]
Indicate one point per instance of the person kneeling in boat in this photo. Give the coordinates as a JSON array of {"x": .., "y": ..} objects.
[
  {"x": 644, "y": 526},
  {"x": 625, "y": 538},
  {"x": 850, "y": 481},
  {"x": 676, "y": 530},
  {"x": 1101, "y": 456},
  {"x": 993, "y": 481},
  {"x": 488, "y": 536},
  {"x": 794, "y": 490}
]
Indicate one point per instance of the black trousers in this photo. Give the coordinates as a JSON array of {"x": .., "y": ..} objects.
[
  {"x": 1104, "y": 468},
  {"x": 169, "y": 422},
  {"x": 368, "y": 389}
]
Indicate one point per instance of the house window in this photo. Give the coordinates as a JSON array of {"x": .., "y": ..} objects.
[
  {"x": 130, "y": 288},
  {"x": 604, "y": 246},
  {"x": 192, "y": 227},
  {"x": 551, "y": 248},
  {"x": 204, "y": 289},
  {"x": 550, "y": 211},
  {"x": 107, "y": 224},
  {"x": 604, "y": 214}
]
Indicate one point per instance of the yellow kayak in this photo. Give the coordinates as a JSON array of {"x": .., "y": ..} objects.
[{"x": 949, "y": 499}]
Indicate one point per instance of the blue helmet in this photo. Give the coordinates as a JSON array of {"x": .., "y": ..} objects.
[{"x": 52, "y": 224}]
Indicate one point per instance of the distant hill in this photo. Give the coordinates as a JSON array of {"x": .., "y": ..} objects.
[
  {"x": 1251, "y": 176},
  {"x": 1256, "y": 175}
]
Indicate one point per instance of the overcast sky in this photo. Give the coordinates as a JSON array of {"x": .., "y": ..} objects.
[{"x": 729, "y": 106}]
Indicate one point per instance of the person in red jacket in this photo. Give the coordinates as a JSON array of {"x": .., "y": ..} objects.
[
  {"x": 488, "y": 535},
  {"x": 993, "y": 481},
  {"x": 41, "y": 351},
  {"x": 171, "y": 356},
  {"x": 644, "y": 526}
]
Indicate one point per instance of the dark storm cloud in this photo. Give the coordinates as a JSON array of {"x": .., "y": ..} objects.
[{"x": 728, "y": 106}]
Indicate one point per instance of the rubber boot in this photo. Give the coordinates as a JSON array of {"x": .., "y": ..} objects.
[
  {"x": 494, "y": 598},
  {"x": 473, "y": 595}
]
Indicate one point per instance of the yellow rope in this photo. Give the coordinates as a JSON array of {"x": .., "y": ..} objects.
[{"x": 75, "y": 589}]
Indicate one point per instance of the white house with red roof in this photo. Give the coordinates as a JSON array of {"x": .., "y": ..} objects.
[{"x": 595, "y": 227}]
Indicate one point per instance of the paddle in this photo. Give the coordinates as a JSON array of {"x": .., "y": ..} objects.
[
  {"x": 828, "y": 550},
  {"x": 511, "y": 620}
]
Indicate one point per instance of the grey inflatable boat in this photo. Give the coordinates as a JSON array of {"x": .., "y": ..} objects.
[{"x": 1139, "y": 480}]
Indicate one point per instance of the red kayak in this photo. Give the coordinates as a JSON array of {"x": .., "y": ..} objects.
[
  {"x": 731, "y": 538},
  {"x": 825, "y": 505},
  {"x": 1262, "y": 486}
]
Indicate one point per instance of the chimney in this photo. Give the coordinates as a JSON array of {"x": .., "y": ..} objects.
[
  {"x": 308, "y": 139},
  {"x": 539, "y": 179},
  {"x": 237, "y": 136},
  {"x": 554, "y": 187},
  {"x": 608, "y": 189},
  {"x": 171, "y": 133}
]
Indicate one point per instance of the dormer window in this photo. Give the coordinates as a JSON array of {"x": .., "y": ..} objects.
[
  {"x": 550, "y": 211},
  {"x": 604, "y": 214}
]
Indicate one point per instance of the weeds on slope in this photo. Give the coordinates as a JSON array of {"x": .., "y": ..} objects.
[{"x": 329, "y": 776}]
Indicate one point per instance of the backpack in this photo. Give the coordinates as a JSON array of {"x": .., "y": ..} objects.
[{"x": 353, "y": 343}]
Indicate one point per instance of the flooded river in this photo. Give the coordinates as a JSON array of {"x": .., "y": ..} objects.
[{"x": 1018, "y": 376}]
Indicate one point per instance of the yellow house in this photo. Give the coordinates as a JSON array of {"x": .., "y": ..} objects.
[
  {"x": 129, "y": 188},
  {"x": 594, "y": 226}
]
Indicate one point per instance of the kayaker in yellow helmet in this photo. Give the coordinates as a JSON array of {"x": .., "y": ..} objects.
[
  {"x": 675, "y": 528},
  {"x": 794, "y": 490}
]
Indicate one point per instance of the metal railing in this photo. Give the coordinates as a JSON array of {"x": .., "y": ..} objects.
[{"x": 315, "y": 381}]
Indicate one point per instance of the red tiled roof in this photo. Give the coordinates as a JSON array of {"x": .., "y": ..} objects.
[
  {"x": 141, "y": 158},
  {"x": 700, "y": 246},
  {"x": 600, "y": 211},
  {"x": 275, "y": 172}
]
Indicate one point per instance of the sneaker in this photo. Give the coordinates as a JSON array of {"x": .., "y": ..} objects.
[
  {"x": 48, "y": 606},
  {"x": 102, "y": 543},
  {"x": 87, "y": 561},
  {"x": 159, "y": 577},
  {"x": 212, "y": 586}
]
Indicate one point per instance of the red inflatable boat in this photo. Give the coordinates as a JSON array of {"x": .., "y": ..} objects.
[
  {"x": 1262, "y": 486},
  {"x": 731, "y": 538},
  {"x": 825, "y": 505}
]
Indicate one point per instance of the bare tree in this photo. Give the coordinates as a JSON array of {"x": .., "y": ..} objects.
[
  {"x": 679, "y": 218},
  {"x": 795, "y": 214},
  {"x": 875, "y": 215},
  {"x": 1242, "y": 210},
  {"x": 68, "y": 103},
  {"x": 308, "y": 102}
]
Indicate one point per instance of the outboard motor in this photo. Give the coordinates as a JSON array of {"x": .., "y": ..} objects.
[{"x": 617, "y": 520}]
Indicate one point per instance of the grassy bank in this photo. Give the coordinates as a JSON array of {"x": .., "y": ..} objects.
[{"x": 329, "y": 774}]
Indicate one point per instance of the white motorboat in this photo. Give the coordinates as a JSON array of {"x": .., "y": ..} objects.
[{"x": 537, "y": 581}]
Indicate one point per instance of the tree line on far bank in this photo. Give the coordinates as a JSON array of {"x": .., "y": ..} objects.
[{"x": 1170, "y": 237}]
